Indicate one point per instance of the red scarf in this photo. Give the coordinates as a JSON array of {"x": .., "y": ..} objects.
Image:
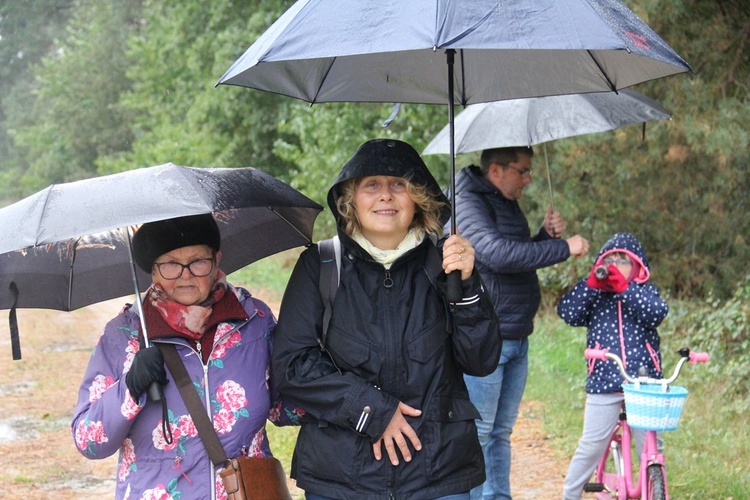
[{"x": 189, "y": 321}]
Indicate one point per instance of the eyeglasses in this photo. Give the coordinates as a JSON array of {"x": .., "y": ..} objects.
[
  {"x": 526, "y": 172},
  {"x": 618, "y": 262},
  {"x": 173, "y": 270}
]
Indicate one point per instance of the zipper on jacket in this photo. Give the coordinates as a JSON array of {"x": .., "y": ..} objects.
[
  {"x": 388, "y": 282},
  {"x": 207, "y": 398}
]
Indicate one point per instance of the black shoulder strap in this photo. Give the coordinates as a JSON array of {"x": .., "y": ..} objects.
[
  {"x": 203, "y": 424},
  {"x": 330, "y": 263}
]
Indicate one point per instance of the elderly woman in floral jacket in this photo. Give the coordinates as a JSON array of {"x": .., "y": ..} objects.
[{"x": 223, "y": 336}]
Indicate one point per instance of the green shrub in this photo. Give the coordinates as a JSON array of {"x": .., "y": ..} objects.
[{"x": 721, "y": 329}]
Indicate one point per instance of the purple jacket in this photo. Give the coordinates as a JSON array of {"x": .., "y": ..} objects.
[{"x": 238, "y": 399}]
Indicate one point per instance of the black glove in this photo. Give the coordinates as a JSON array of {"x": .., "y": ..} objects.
[{"x": 147, "y": 367}]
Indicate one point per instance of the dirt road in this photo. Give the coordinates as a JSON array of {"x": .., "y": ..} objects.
[{"x": 38, "y": 459}]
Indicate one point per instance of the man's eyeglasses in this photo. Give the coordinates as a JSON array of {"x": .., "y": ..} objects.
[
  {"x": 173, "y": 270},
  {"x": 618, "y": 262},
  {"x": 526, "y": 172}
]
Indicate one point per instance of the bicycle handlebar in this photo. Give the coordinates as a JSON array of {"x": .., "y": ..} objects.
[
  {"x": 698, "y": 357},
  {"x": 685, "y": 355}
]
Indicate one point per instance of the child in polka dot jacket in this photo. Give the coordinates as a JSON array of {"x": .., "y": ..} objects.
[{"x": 621, "y": 311}]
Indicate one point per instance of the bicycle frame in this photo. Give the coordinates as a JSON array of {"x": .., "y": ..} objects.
[{"x": 619, "y": 485}]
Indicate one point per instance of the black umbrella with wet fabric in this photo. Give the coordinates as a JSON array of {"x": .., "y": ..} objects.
[{"x": 68, "y": 245}]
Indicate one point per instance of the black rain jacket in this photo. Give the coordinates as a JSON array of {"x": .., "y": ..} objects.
[{"x": 390, "y": 344}]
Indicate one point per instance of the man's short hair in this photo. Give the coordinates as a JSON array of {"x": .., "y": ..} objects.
[{"x": 502, "y": 156}]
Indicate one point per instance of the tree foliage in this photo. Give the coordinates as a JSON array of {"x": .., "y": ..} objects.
[
  {"x": 111, "y": 85},
  {"x": 176, "y": 57},
  {"x": 72, "y": 120},
  {"x": 28, "y": 30}
]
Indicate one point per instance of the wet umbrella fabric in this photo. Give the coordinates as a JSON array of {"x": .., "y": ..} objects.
[
  {"x": 452, "y": 52},
  {"x": 526, "y": 122},
  {"x": 393, "y": 51},
  {"x": 68, "y": 246}
]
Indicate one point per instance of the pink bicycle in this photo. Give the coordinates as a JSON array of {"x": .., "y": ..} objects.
[{"x": 653, "y": 405}]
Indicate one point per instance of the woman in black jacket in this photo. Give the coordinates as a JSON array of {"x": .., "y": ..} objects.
[{"x": 388, "y": 414}]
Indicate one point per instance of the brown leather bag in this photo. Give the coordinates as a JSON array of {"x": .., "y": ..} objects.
[
  {"x": 245, "y": 478},
  {"x": 255, "y": 478}
]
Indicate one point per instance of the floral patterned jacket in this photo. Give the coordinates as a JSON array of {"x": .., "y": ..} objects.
[{"x": 234, "y": 386}]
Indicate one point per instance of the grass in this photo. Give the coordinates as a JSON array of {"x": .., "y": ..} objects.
[
  {"x": 270, "y": 274},
  {"x": 708, "y": 454}
]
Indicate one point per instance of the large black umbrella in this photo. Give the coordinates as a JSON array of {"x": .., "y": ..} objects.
[
  {"x": 452, "y": 52},
  {"x": 68, "y": 246}
]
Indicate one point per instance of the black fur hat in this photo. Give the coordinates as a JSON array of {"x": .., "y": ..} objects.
[{"x": 154, "y": 239}]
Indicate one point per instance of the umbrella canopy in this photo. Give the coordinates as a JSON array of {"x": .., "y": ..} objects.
[
  {"x": 68, "y": 246},
  {"x": 393, "y": 51},
  {"x": 526, "y": 122},
  {"x": 452, "y": 52}
]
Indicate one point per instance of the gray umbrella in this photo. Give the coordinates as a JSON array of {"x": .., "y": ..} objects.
[
  {"x": 452, "y": 52},
  {"x": 68, "y": 246},
  {"x": 526, "y": 122}
]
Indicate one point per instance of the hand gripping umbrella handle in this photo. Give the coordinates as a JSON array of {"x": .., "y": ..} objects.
[{"x": 155, "y": 391}]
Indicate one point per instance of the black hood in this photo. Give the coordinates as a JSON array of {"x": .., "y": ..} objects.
[{"x": 387, "y": 157}]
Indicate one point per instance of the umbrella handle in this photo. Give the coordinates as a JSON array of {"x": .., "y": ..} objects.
[
  {"x": 453, "y": 292},
  {"x": 549, "y": 183},
  {"x": 155, "y": 391}
]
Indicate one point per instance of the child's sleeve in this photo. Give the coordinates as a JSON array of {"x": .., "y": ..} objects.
[
  {"x": 576, "y": 305},
  {"x": 645, "y": 304}
]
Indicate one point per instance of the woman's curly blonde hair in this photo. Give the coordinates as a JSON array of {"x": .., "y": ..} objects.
[{"x": 426, "y": 216}]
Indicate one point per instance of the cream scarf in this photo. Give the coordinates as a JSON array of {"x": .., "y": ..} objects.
[{"x": 388, "y": 257}]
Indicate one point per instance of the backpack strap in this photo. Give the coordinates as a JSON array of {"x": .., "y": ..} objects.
[{"x": 330, "y": 264}]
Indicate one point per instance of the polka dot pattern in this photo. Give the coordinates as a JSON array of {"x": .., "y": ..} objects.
[{"x": 618, "y": 322}]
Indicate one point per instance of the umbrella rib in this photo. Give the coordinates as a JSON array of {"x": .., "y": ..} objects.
[
  {"x": 322, "y": 80},
  {"x": 273, "y": 210},
  {"x": 463, "y": 79},
  {"x": 41, "y": 215},
  {"x": 604, "y": 73},
  {"x": 70, "y": 274}
]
